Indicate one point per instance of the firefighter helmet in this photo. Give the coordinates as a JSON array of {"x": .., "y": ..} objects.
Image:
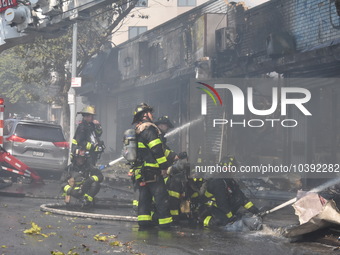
[
  {"x": 164, "y": 120},
  {"x": 140, "y": 110},
  {"x": 87, "y": 110},
  {"x": 81, "y": 153}
]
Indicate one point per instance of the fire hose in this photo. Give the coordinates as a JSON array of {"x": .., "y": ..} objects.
[
  {"x": 52, "y": 209},
  {"x": 293, "y": 200}
]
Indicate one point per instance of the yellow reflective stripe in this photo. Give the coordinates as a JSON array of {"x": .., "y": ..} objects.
[
  {"x": 174, "y": 212},
  {"x": 76, "y": 188},
  {"x": 208, "y": 194},
  {"x": 88, "y": 197},
  {"x": 141, "y": 145},
  {"x": 144, "y": 217},
  {"x": 88, "y": 146},
  {"x": 161, "y": 160},
  {"x": 194, "y": 195},
  {"x": 174, "y": 194},
  {"x": 229, "y": 215},
  {"x": 165, "y": 221},
  {"x": 206, "y": 221},
  {"x": 167, "y": 152},
  {"x": 95, "y": 178},
  {"x": 248, "y": 205},
  {"x": 74, "y": 141},
  {"x": 138, "y": 176},
  {"x": 153, "y": 143},
  {"x": 151, "y": 164},
  {"x": 66, "y": 188},
  {"x": 135, "y": 202},
  {"x": 166, "y": 179}
]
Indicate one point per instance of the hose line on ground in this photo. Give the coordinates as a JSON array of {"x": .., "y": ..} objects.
[{"x": 51, "y": 208}]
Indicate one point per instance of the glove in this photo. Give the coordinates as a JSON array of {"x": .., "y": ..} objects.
[
  {"x": 102, "y": 167},
  {"x": 254, "y": 210},
  {"x": 182, "y": 155}
]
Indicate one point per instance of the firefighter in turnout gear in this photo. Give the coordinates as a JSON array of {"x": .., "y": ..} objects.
[
  {"x": 184, "y": 191},
  {"x": 164, "y": 125},
  {"x": 223, "y": 198},
  {"x": 87, "y": 135},
  {"x": 150, "y": 162},
  {"x": 81, "y": 179}
]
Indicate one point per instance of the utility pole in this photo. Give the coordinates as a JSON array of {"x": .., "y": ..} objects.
[{"x": 71, "y": 92}]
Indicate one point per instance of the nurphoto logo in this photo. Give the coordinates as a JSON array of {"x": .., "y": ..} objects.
[{"x": 281, "y": 99}]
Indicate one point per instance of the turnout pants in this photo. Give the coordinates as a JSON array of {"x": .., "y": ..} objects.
[
  {"x": 158, "y": 191},
  {"x": 175, "y": 190}
]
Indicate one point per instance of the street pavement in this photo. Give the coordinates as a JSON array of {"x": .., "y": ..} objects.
[{"x": 20, "y": 207}]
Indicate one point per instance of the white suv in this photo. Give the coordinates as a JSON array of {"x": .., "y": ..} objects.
[{"x": 40, "y": 145}]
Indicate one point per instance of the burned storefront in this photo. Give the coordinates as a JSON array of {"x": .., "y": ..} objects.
[
  {"x": 290, "y": 43},
  {"x": 155, "y": 67},
  {"x": 296, "y": 44}
]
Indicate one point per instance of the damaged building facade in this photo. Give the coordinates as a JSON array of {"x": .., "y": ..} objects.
[{"x": 295, "y": 39}]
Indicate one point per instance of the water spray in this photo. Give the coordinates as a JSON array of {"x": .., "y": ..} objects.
[
  {"x": 314, "y": 190},
  {"x": 178, "y": 129},
  {"x": 173, "y": 132}
]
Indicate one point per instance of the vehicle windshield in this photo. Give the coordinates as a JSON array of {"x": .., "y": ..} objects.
[{"x": 41, "y": 133}]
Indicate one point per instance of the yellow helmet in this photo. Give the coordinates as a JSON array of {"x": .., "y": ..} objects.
[{"x": 87, "y": 110}]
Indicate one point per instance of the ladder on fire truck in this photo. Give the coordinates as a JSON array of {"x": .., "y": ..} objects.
[{"x": 17, "y": 167}]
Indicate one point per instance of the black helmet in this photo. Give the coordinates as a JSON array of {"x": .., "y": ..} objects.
[
  {"x": 80, "y": 153},
  {"x": 164, "y": 120},
  {"x": 140, "y": 110}
]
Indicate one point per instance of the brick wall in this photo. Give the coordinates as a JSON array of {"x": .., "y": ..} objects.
[{"x": 310, "y": 22}]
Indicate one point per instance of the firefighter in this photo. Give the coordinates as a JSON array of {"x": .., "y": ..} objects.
[
  {"x": 87, "y": 135},
  {"x": 164, "y": 125},
  {"x": 81, "y": 179},
  {"x": 150, "y": 161},
  {"x": 223, "y": 198},
  {"x": 184, "y": 191}
]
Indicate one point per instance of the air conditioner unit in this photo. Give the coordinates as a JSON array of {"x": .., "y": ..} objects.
[{"x": 225, "y": 39}]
